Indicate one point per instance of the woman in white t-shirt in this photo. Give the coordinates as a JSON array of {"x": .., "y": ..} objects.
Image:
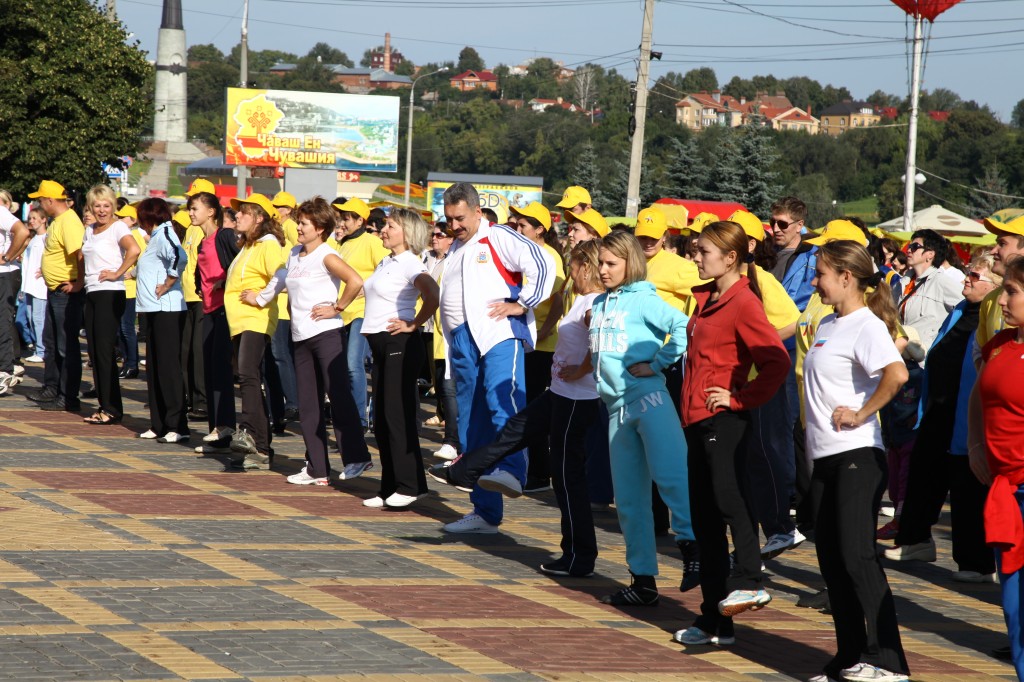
[
  {"x": 851, "y": 371},
  {"x": 32, "y": 283},
  {"x": 108, "y": 251},
  {"x": 565, "y": 412},
  {"x": 312, "y": 274},
  {"x": 389, "y": 326}
]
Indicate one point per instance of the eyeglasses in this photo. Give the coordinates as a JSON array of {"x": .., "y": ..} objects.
[
  {"x": 916, "y": 246},
  {"x": 977, "y": 277},
  {"x": 441, "y": 235},
  {"x": 782, "y": 224}
]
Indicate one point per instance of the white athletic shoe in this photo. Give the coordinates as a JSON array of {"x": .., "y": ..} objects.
[
  {"x": 304, "y": 478},
  {"x": 501, "y": 481},
  {"x": 354, "y": 470},
  {"x": 471, "y": 523},
  {"x": 447, "y": 451}
]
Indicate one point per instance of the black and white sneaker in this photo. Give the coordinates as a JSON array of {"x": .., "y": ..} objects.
[
  {"x": 642, "y": 591},
  {"x": 691, "y": 565},
  {"x": 439, "y": 472},
  {"x": 563, "y": 569}
]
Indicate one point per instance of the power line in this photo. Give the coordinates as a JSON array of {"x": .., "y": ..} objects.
[
  {"x": 842, "y": 20},
  {"x": 973, "y": 189}
]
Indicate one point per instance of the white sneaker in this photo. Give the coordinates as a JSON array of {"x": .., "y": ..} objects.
[
  {"x": 399, "y": 500},
  {"x": 446, "y": 451},
  {"x": 34, "y": 359},
  {"x": 780, "y": 542},
  {"x": 207, "y": 449},
  {"x": 501, "y": 481},
  {"x": 374, "y": 502},
  {"x": 871, "y": 673},
  {"x": 148, "y": 435},
  {"x": 921, "y": 551},
  {"x": 471, "y": 523},
  {"x": 218, "y": 434},
  {"x": 973, "y": 577},
  {"x": 173, "y": 437},
  {"x": 354, "y": 470},
  {"x": 822, "y": 678},
  {"x": 7, "y": 382},
  {"x": 304, "y": 478},
  {"x": 19, "y": 370}
]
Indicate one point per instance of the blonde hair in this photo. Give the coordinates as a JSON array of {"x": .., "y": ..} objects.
[
  {"x": 848, "y": 256},
  {"x": 6, "y": 198},
  {"x": 100, "y": 193},
  {"x": 624, "y": 245},
  {"x": 587, "y": 254},
  {"x": 983, "y": 258},
  {"x": 416, "y": 230}
]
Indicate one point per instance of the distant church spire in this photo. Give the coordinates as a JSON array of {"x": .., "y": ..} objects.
[{"x": 172, "y": 15}]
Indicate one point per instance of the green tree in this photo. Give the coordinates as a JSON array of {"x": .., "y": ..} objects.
[
  {"x": 758, "y": 174},
  {"x": 585, "y": 173},
  {"x": 815, "y": 191},
  {"x": 615, "y": 204},
  {"x": 205, "y": 53},
  {"x": 1017, "y": 117},
  {"x": 686, "y": 175},
  {"x": 329, "y": 55},
  {"x": 67, "y": 104},
  {"x": 884, "y": 99},
  {"x": 260, "y": 61},
  {"x": 469, "y": 60},
  {"x": 991, "y": 194},
  {"x": 367, "y": 59},
  {"x": 702, "y": 78},
  {"x": 406, "y": 68},
  {"x": 725, "y": 178}
]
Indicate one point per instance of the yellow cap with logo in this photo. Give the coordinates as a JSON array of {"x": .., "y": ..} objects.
[
  {"x": 750, "y": 223},
  {"x": 261, "y": 201},
  {"x": 592, "y": 219},
  {"x": 574, "y": 196},
  {"x": 200, "y": 185},
  {"x": 651, "y": 222},
  {"x": 839, "y": 230},
  {"x": 285, "y": 199},
  {"x": 534, "y": 210},
  {"x": 48, "y": 189},
  {"x": 354, "y": 205}
]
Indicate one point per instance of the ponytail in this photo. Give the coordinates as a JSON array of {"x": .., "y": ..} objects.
[{"x": 879, "y": 300}]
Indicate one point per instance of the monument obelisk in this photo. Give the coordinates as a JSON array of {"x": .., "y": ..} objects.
[{"x": 170, "y": 124}]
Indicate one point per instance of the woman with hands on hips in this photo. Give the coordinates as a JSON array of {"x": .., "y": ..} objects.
[
  {"x": 852, "y": 370},
  {"x": 389, "y": 324}
]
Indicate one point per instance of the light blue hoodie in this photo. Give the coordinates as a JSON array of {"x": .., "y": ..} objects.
[{"x": 629, "y": 325}]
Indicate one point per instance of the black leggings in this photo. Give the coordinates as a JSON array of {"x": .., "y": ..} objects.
[
  {"x": 103, "y": 311},
  {"x": 218, "y": 376},
  {"x": 163, "y": 372},
  {"x": 250, "y": 347}
]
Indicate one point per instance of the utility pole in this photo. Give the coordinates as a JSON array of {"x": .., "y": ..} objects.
[
  {"x": 636, "y": 154},
  {"x": 112, "y": 10},
  {"x": 243, "y": 64},
  {"x": 910, "y": 175}
]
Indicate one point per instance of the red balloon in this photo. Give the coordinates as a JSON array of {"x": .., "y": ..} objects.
[{"x": 926, "y": 9}]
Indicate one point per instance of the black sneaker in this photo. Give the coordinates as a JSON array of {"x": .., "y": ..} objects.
[
  {"x": 691, "y": 565},
  {"x": 560, "y": 568},
  {"x": 61, "y": 405},
  {"x": 43, "y": 395},
  {"x": 642, "y": 591},
  {"x": 537, "y": 485},
  {"x": 291, "y": 414},
  {"x": 439, "y": 472},
  {"x": 818, "y": 600},
  {"x": 1003, "y": 653}
]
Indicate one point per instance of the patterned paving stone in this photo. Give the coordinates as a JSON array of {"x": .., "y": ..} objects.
[
  {"x": 185, "y": 462},
  {"x": 301, "y": 652},
  {"x": 112, "y": 565},
  {"x": 553, "y": 650},
  {"x": 31, "y": 444},
  {"x": 172, "y": 505},
  {"x": 328, "y": 505},
  {"x": 73, "y": 657},
  {"x": 97, "y": 480},
  {"x": 187, "y": 604},
  {"x": 337, "y": 563},
  {"x": 416, "y": 601},
  {"x": 248, "y": 532},
  {"x": 43, "y": 456},
  {"x": 17, "y": 609}
]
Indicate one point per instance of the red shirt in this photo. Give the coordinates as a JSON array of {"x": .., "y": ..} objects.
[
  {"x": 211, "y": 273},
  {"x": 724, "y": 341}
]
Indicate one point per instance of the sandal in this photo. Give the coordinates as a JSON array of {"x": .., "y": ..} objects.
[{"x": 101, "y": 418}]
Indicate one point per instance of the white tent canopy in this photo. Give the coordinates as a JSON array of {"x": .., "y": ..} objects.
[{"x": 941, "y": 220}]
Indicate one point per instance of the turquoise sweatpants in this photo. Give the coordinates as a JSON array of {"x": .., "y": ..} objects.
[{"x": 646, "y": 442}]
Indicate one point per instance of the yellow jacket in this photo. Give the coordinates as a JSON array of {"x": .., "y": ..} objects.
[
  {"x": 252, "y": 269},
  {"x": 194, "y": 236}
]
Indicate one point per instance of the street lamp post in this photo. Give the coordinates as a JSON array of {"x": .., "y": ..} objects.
[{"x": 408, "y": 138}]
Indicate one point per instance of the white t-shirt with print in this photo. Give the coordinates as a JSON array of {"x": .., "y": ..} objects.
[
  {"x": 843, "y": 368},
  {"x": 103, "y": 252},
  {"x": 7, "y": 221},
  {"x": 390, "y": 291}
]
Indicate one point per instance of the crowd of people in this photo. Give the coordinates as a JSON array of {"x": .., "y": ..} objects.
[{"x": 734, "y": 380}]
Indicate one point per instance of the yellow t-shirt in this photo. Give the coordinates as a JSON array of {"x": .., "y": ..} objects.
[
  {"x": 542, "y": 311},
  {"x": 990, "y": 317},
  {"x": 129, "y": 282},
  {"x": 60, "y": 252},
  {"x": 674, "y": 277},
  {"x": 291, "y": 238},
  {"x": 194, "y": 236},
  {"x": 778, "y": 306},
  {"x": 362, "y": 254},
  {"x": 252, "y": 269}
]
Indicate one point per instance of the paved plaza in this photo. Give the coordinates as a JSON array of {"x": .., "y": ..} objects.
[{"x": 123, "y": 559}]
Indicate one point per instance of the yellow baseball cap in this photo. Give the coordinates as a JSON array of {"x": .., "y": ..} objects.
[
  {"x": 573, "y": 196},
  {"x": 1015, "y": 226},
  {"x": 750, "y": 223},
  {"x": 285, "y": 199},
  {"x": 591, "y": 218},
  {"x": 652, "y": 223},
  {"x": 534, "y": 210},
  {"x": 48, "y": 189},
  {"x": 837, "y": 230},
  {"x": 200, "y": 185},
  {"x": 354, "y": 205},
  {"x": 702, "y": 220},
  {"x": 182, "y": 218},
  {"x": 127, "y": 212},
  {"x": 261, "y": 201}
]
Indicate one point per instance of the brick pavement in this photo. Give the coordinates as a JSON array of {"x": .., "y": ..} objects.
[{"x": 129, "y": 560}]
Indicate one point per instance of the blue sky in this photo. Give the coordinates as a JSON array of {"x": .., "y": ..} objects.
[{"x": 976, "y": 48}]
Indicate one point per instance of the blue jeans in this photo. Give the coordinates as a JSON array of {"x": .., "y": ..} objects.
[
  {"x": 62, "y": 370},
  {"x": 126, "y": 336},
  {"x": 490, "y": 389},
  {"x": 771, "y": 464},
  {"x": 1013, "y": 603},
  {"x": 23, "y": 321},
  {"x": 38, "y": 321},
  {"x": 282, "y": 392},
  {"x": 356, "y": 349}
]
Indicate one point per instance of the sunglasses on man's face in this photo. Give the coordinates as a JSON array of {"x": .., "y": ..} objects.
[
  {"x": 911, "y": 248},
  {"x": 782, "y": 224}
]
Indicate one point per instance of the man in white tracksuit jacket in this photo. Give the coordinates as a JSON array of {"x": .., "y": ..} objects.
[{"x": 493, "y": 279}]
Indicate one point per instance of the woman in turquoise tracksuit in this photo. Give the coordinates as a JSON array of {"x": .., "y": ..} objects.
[{"x": 627, "y": 342}]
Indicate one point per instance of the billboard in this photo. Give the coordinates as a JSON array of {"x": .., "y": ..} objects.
[
  {"x": 311, "y": 130},
  {"x": 491, "y": 195}
]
